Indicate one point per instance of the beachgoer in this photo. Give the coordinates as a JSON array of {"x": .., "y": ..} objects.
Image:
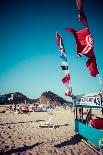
[
  {"x": 10, "y": 108},
  {"x": 89, "y": 116},
  {"x": 15, "y": 107},
  {"x": 80, "y": 113}
]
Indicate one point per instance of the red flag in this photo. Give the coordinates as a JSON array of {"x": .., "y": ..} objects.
[
  {"x": 58, "y": 39},
  {"x": 68, "y": 93},
  {"x": 60, "y": 44},
  {"x": 92, "y": 66},
  {"x": 85, "y": 46},
  {"x": 81, "y": 14},
  {"x": 66, "y": 79},
  {"x": 84, "y": 42}
]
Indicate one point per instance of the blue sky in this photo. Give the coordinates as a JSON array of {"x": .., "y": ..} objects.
[{"x": 30, "y": 61}]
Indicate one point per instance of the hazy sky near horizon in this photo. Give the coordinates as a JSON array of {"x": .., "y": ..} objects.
[{"x": 30, "y": 61}]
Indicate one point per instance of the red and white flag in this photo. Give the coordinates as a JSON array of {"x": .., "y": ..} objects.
[
  {"x": 84, "y": 42},
  {"x": 66, "y": 79},
  {"x": 85, "y": 46},
  {"x": 68, "y": 92},
  {"x": 60, "y": 44},
  {"x": 58, "y": 39}
]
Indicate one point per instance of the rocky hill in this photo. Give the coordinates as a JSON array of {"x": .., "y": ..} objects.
[
  {"x": 16, "y": 98},
  {"x": 47, "y": 97}
]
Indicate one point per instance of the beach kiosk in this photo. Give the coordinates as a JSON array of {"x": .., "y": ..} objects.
[{"x": 92, "y": 131}]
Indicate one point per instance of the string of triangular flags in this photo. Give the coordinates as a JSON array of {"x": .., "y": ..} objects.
[
  {"x": 64, "y": 65},
  {"x": 84, "y": 46}
]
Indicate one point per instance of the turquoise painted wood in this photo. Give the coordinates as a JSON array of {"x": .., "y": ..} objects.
[
  {"x": 91, "y": 134},
  {"x": 88, "y": 106}
]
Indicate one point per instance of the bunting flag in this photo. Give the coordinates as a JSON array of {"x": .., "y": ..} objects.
[
  {"x": 64, "y": 65},
  {"x": 63, "y": 57},
  {"x": 68, "y": 92},
  {"x": 81, "y": 14},
  {"x": 85, "y": 46},
  {"x": 66, "y": 79}
]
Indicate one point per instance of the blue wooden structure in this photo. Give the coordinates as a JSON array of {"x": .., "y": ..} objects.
[{"x": 92, "y": 134}]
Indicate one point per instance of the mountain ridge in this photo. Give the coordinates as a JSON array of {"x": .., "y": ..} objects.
[{"x": 45, "y": 98}]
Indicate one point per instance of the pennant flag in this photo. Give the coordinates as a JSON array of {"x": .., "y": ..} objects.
[
  {"x": 68, "y": 92},
  {"x": 81, "y": 14},
  {"x": 63, "y": 57},
  {"x": 66, "y": 79},
  {"x": 58, "y": 39},
  {"x": 92, "y": 66},
  {"x": 84, "y": 42},
  {"x": 60, "y": 43},
  {"x": 85, "y": 46},
  {"x": 64, "y": 65}
]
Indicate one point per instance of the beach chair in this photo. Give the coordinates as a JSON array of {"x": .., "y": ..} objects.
[{"x": 46, "y": 124}]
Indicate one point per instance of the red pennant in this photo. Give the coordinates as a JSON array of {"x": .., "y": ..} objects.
[
  {"x": 66, "y": 79},
  {"x": 58, "y": 39},
  {"x": 68, "y": 93}
]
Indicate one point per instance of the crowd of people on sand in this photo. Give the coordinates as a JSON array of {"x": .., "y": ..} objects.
[
  {"x": 27, "y": 108},
  {"x": 17, "y": 109}
]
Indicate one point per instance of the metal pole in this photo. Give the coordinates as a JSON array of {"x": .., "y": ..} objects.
[{"x": 100, "y": 82}]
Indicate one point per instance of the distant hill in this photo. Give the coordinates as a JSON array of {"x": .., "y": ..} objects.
[
  {"x": 16, "y": 98},
  {"x": 46, "y": 97},
  {"x": 49, "y": 97},
  {"x": 13, "y": 98}
]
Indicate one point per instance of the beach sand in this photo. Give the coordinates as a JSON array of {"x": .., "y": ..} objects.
[{"x": 19, "y": 135}]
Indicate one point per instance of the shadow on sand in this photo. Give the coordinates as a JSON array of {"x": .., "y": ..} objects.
[
  {"x": 44, "y": 125},
  {"x": 11, "y": 123},
  {"x": 62, "y": 125},
  {"x": 74, "y": 140},
  {"x": 21, "y": 149}
]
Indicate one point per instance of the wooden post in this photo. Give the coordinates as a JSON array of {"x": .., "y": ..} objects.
[
  {"x": 82, "y": 114},
  {"x": 100, "y": 82},
  {"x": 76, "y": 113}
]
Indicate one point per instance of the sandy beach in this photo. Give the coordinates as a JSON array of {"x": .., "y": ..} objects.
[{"x": 19, "y": 135}]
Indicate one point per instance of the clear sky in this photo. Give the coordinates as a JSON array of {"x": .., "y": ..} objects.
[{"x": 30, "y": 61}]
